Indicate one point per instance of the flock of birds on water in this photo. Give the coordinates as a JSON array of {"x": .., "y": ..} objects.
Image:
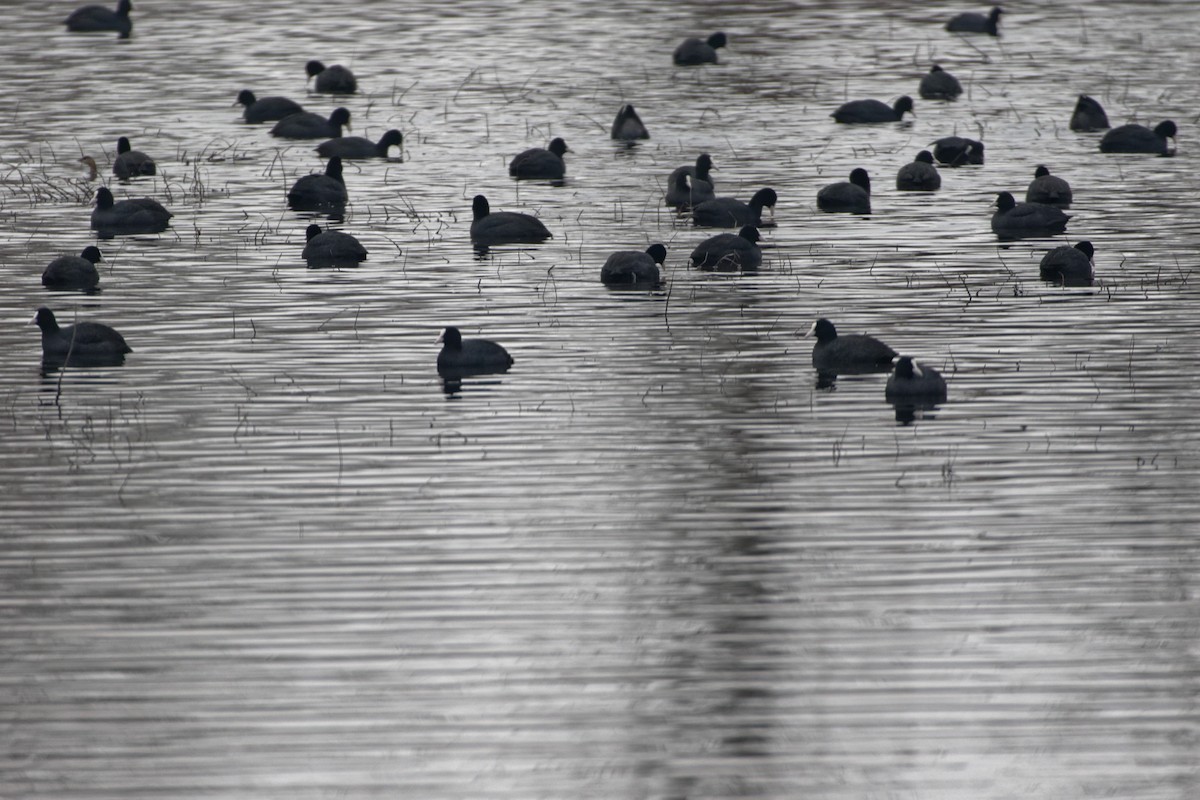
[{"x": 690, "y": 190}]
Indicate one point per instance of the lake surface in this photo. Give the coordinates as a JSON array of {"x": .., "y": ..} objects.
[{"x": 271, "y": 556}]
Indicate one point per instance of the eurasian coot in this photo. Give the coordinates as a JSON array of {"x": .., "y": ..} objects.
[
  {"x": 853, "y": 195},
  {"x": 633, "y": 267},
  {"x": 504, "y": 227},
  {"x": 696, "y": 51},
  {"x": 74, "y": 272},
  {"x": 726, "y": 212},
  {"x": 729, "y": 251},
  {"x": 919, "y": 175},
  {"x": 854, "y": 353},
  {"x": 357, "y": 147},
  {"x": 540, "y": 162},
  {"x": 332, "y": 248}
]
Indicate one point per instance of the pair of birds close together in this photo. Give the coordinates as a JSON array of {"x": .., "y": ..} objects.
[
  {"x": 691, "y": 188},
  {"x": 859, "y": 353},
  {"x": 139, "y": 215}
]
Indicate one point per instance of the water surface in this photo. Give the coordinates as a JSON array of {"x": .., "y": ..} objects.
[{"x": 271, "y": 557}]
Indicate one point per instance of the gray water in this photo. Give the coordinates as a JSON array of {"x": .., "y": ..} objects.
[{"x": 271, "y": 557}]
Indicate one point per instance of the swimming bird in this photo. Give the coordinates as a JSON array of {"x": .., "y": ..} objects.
[
  {"x": 1140, "y": 139},
  {"x": 307, "y": 125},
  {"x": 320, "y": 192},
  {"x": 266, "y": 109},
  {"x": 681, "y": 195},
  {"x": 919, "y": 175},
  {"x": 726, "y": 212},
  {"x": 633, "y": 267},
  {"x": 911, "y": 381},
  {"x": 88, "y": 19},
  {"x": 130, "y": 163},
  {"x": 1088, "y": 115},
  {"x": 89, "y": 164},
  {"x": 628, "y": 125},
  {"x": 851, "y": 354},
  {"x": 540, "y": 163},
  {"x": 462, "y": 357},
  {"x": 1049, "y": 189},
  {"x": 81, "y": 343},
  {"x": 860, "y": 112},
  {"x": 691, "y": 184},
  {"x": 135, "y": 215},
  {"x": 357, "y": 147},
  {"x": 955, "y": 151},
  {"x": 74, "y": 272},
  {"x": 332, "y": 248},
  {"x": 331, "y": 80},
  {"x": 1014, "y": 220},
  {"x": 504, "y": 227},
  {"x": 853, "y": 196},
  {"x": 937, "y": 84},
  {"x": 1069, "y": 266},
  {"x": 694, "y": 51},
  {"x": 971, "y": 22},
  {"x": 729, "y": 250}
]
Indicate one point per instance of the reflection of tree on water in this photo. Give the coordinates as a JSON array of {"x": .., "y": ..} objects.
[{"x": 711, "y": 696}]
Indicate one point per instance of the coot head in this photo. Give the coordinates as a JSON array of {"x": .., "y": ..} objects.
[
  {"x": 480, "y": 209},
  {"x": 1166, "y": 129},
  {"x": 45, "y": 320},
  {"x": 334, "y": 169},
  {"x": 903, "y": 105},
  {"x": 104, "y": 198},
  {"x": 92, "y": 253},
  {"x": 907, "y": 368},
  {"x": 859, "y": 177},
  {"x": 925, "y": 157},
  {"x": 823, "y": 329},
  {"x": 558, "y": 146},
  {"x": 658, "y": 252},
  {"x": 1005, "y": 201},
  {"x": 717, "y": 40},
  {"x": 750, "y": 234},
  {"x": 764, "y": 198}
]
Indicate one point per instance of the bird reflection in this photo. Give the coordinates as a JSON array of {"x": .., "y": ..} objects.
[
  {"x": 453, "y": 385},
  {"x": 828, "y": 380},
  {"x": 55, "y": 362},
  {"x": 908, "y": 412}
]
